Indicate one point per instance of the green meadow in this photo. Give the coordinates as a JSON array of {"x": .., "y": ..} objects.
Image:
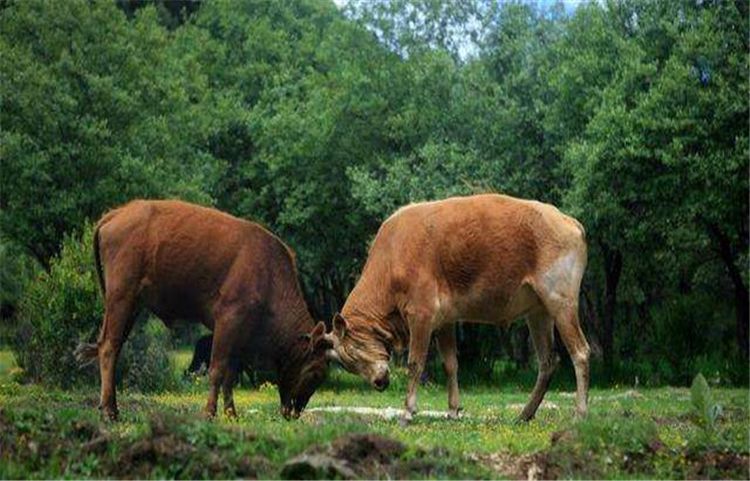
[{"x": 630, "y": 433}]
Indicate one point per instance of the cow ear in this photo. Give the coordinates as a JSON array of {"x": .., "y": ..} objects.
[
  {"x": 318, "y": 337},
  {"x": 339, "y": 325},
  {"x": 318, "y": 330}
]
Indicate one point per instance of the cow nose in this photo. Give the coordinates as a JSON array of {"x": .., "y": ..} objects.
[{"x": 381, "y": 383}]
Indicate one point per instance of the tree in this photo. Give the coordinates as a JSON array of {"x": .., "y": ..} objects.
[{"x": 95, "y": 110}]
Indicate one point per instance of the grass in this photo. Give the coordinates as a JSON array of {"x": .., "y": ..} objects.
[{"x": 629, "y": 433}]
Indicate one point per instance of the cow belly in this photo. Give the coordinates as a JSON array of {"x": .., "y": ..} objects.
[
  {"x": 494, "y": 309},
  {"x": 172, "y": 304}
]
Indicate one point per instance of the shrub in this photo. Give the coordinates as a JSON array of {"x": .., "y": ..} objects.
[
  {"x": 145, "y": 364},
  {"x": 18, "y": 268},
  {"x": 706, "y": 413},
  {"x": 62, "y": 307}
]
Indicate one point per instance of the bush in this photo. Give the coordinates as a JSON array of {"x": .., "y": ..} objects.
[
  {"x": 705, "y": 413},
  {"x": 18, "y": 268},
  {"x": 145, "y": 364},
  {"x": 62, "y": 307}
]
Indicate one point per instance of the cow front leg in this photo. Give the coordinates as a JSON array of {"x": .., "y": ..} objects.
[
  {"x": 227, "y": 388},
  {"x": 215, "y": 378},
  {"x": 217, "y": 372},
  {"x": 419, "y": 343},
  {"x": 446, "y": 342},
  {"x": 226, "y": 336}
]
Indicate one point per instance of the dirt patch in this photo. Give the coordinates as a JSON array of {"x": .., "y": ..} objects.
[
  {"x": 718, "y": 465},
  {"x": 367, "y": 449},
  {"x": 514, "y": 466},
  {"x": 353, "y": 455},
  {"x": 567, "y": 458},
  {"x": 367, "y": 456}
]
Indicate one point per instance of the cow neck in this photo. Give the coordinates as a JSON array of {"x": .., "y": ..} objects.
[
  {"x": 292, "y": 321},
  {"x": 370, "y": 302}
]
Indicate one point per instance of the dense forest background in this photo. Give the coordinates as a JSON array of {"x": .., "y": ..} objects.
[{"x": 318, "y": 120}]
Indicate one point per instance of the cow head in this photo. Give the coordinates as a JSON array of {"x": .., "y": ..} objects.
[
  {"x": 362, "y": 349},
  {"x": 305, "y": 371}
]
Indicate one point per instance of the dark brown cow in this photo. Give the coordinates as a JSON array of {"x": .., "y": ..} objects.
[
  {"x": 183, "y": 261},
  {"x": 485, "y": 258}
]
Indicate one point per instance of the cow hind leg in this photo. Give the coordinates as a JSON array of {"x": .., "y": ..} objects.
[
  {"x": 541, "y": 328},
  {"x": 119, "y": 317},
  {"x": 446, "y": 342},
  {"x": 569, "y": 327},
  {"x": 559, "y": 290}
]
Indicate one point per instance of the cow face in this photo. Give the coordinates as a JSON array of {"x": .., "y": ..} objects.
[
  {"x": 362, "y": 350},
  {"x": 304, "y": 377}
]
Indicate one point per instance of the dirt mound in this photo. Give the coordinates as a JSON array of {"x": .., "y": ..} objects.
[
  {"x": 36, "y": 435},
  {"x": 718, "y": 465},
  {"x": 164, "y": 449},
  {"x": 568, "y": 457},
  {"x": 350, "y": 456},
  {"x": 513, "y": 466},
  {"x": 367, "y": 456},
  {"x": 367, "y": 449}
]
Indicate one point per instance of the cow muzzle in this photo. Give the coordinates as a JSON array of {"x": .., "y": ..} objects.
[{"x": 380, "y": 378}]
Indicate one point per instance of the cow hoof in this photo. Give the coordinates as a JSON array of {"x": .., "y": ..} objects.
[
  {"x": 523, "y": 419},
  {"x": 405, "y": 419},
  {"x": 455, "y": 413},
  {"x": 110, "y": 414},
  {"x": 230, "y": 412}
]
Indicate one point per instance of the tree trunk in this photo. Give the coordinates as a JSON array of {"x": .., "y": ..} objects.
[
  {"x": 741, "y": 300},
  {"x": 612, "y": 271},
  {"x": 592, "y": 323}
]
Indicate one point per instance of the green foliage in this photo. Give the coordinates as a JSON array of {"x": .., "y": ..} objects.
[
  {"x": 96, "y": 110},
  {"x": 18, "y": 268},
  {"x": 63, "y": 307},
  {"x": 629, "y": 434},
  {"x": 706, "y": 412},
  {"x": 605, "y": 434},
  {"x": 60, "y": 308},
  {"x": 145, "y": 364},
  {"x": 318, "y": 122}
]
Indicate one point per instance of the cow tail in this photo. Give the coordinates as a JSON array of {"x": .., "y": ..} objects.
[
  {"x": 87, "y": 352},
  {"x": 98, "y": 260}
]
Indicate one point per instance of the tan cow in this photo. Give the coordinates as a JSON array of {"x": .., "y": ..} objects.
[
  {"x": 484, "y": 258},
  {"x": 187, "y": 262}
]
